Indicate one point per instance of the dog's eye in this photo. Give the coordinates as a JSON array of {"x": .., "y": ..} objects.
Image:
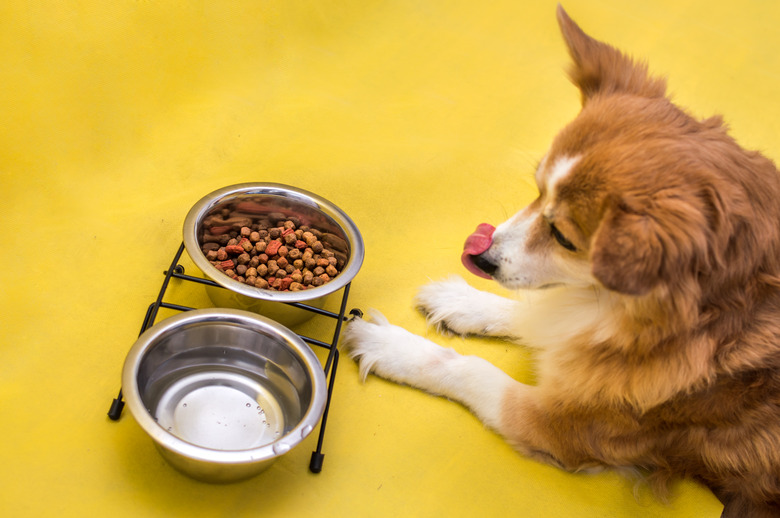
[{"x": 565, "y": 243}]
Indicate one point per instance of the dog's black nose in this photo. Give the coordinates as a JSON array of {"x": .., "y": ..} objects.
[{"x": 484, "y": 264}]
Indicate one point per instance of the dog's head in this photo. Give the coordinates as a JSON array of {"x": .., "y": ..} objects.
[{"x": 634, "y": 194}]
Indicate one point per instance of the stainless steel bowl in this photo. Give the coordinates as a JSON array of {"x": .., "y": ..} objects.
[
  {"x": 223, "y": 392},
  {"x": 270, "y": 198}
]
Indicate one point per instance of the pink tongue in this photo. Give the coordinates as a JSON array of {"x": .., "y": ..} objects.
[{"x": 477, "y": 243}]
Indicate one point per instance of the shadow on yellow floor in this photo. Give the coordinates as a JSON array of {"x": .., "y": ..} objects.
[{"x": 420, "y": 119}]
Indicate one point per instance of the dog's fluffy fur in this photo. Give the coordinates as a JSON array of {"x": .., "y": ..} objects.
[{"x": 656, "y": 238}]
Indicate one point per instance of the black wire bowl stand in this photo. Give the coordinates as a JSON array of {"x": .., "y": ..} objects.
[{"x": 176, "y": 271}]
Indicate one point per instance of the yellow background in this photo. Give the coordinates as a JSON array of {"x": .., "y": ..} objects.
[{"x": 420, "y": 119}]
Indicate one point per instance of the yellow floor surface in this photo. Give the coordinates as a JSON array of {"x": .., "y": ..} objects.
[{"x": 420, "y": 119}]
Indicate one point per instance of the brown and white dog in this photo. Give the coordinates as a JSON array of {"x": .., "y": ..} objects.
[{"x": 649, "y": 277}]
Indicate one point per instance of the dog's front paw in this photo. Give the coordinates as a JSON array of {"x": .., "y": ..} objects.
[
  {"x": 453, "y": 306},
  {"x": 388, "y": 351},
  {"x": 365, "y": 341}
]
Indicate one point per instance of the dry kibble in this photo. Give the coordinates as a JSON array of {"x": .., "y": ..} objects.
[
  {"x": 290, "y": 238},
  {"x": 273, "y": 247},
  {"x": 270, "y": 251}
]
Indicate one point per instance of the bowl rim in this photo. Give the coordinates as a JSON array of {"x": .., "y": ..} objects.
[
  {"x": 205, "y": 204},
  {"x": 311, "y": 416}
]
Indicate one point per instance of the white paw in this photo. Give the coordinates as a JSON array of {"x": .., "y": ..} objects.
[
  {"x": 389, "y": 351},
  {"x": 452, "y": 305}
]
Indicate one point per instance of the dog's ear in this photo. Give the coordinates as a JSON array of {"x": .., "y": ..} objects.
[
  {"x": 599, "y": 68},
  {"x": 626, "y": 254},
  {"x": 639, "y": 246}
]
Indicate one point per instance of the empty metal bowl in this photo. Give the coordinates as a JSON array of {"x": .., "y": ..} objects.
[
  {"x": 223, "y": 392},
  {"x": 266, "y": 199}
]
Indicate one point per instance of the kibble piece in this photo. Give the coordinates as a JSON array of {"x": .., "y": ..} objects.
[{"x": 273, "y": 247}]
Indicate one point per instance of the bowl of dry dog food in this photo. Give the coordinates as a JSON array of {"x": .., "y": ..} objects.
[{"x": 268, "y": 244}]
